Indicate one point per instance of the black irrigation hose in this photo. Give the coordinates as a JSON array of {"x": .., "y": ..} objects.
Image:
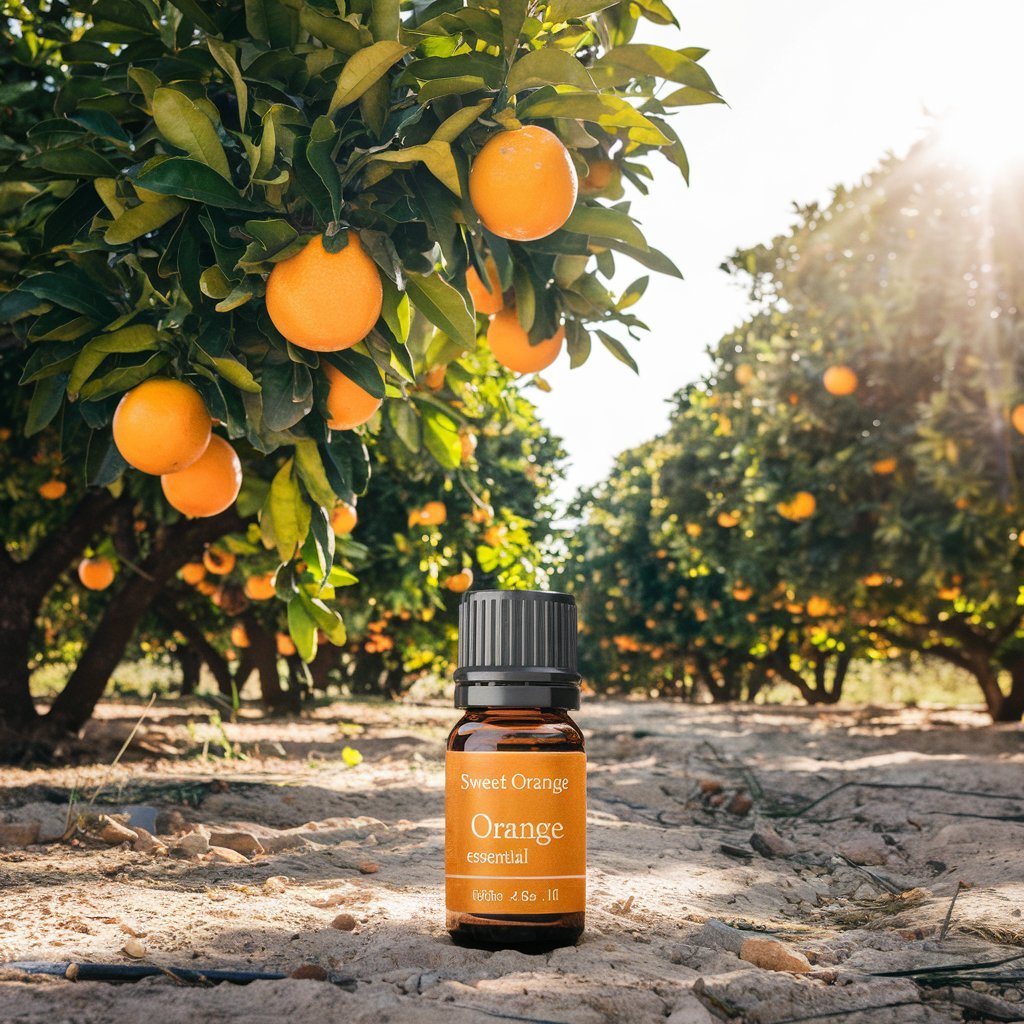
[
  {"x": 136, "y": 972},
  {"x": 949, "y": 969},
  {"x": 890, "y": 785}
]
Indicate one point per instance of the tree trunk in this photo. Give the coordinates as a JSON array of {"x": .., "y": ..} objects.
[
  {"x": 263, "y": 654},
  {"x": 173, "y": 547},
  {"x": 25, "y": 586},
  {"x": 190, "y": 662},
  {"x": 184, "y": 624}
]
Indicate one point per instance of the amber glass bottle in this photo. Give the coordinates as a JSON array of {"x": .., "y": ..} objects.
[{"x": 515, "y": 802}]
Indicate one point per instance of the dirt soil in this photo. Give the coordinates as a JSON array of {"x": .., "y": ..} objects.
[{"x": 696, "y": 815}]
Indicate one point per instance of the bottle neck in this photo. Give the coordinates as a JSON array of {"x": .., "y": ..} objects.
[{"x": 496, "y": 694}]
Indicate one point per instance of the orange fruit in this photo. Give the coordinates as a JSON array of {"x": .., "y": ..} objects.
[
  {"x": 600, "y": 174},
  {"x": 744, "y": 374},
  {"x": 522, "y": 183},
  {"x": 883, "y": 467},
  {"x": 96, "y": 573},
  {"x": 193, "y": 572},
  {"x": 694, "y": 529},
  {"x": 343, "y": 519},
  {"x": 325, "y": 301},
  {"x": 434, "y": 379},
  {"x": 218, "y": 561},
  {"x": 728, "y": 519},
  {"x": 348, "y": 405},
  {"x": 433, "y": 513},
  {"x": 817, "y": 606},
  {"x": 460, "y": 582},
  {"x": 5, "y": 434},
  {"x": 467, "y": 441},
  {"x": 840, "y": 380},
  {"x": 260, "y": 588},
  {"x": 511, "y": 344},
  {"x": 285, "y": 645},
  {"x": 802, "y": 506},
  {"x": 741, "y": 592},
  {"x": 948, "y": 593},
  {"x": 1017, "y": 418},
  {"x": 482, "y": 514},
  {"x": 208, "y": 486},
  {"x": 239, "y": 636},
  {"x": 487, "y": 298},
  {"x": 873, "y": 579},
  {"x": 53, "y": 490},
  {"x": 162, "y": 426},
  {"x": 494, "y": 536},
  {"x": 207, "y": 588}
]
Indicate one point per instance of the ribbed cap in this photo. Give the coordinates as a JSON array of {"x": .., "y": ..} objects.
[{"x": 517, "y": 637}]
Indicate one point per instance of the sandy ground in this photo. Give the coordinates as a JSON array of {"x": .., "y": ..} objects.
[{"x": 859, "y": 884}]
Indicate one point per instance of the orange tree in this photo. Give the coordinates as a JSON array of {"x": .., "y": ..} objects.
[
  {"x": 260, "y": 200},
  {"x": 882, "y": 376}
]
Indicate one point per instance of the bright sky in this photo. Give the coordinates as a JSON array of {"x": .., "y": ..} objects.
[{"x": 817, "y": 92}]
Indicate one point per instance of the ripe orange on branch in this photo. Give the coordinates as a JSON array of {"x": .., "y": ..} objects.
[
  {"x": 803, "y": 506},
  {"x": 523, "y": 184},
  {"x": 260, "y": 588},
  {"x": 53, "y": 490},
  {"x": 840, "y": 380},
  {"x": 460, "y": 582},
  {"x": 218, "y": 561},
  {"x": 96, "y": 573},
  {"x": 511, "y": 344},
  {"x": 884, "y": 467},
  {"x": 600, "y": 174},
  {"x": 487, "y": 298},
  {"x": 162, "y": 426},
  {"x": 348, "y": 404},
  {"x": 433, "y": 513},
  {"x": 285, "y": 645},
  {"x": 208, "y": 486},
  {"x": 193, "y": 572},
  {"x": 343, "y": 519},
  {"x": 1017, "y": 418},
  {"x": 325, "y": 301}
]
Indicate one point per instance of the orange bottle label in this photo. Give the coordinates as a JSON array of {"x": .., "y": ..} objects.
[{"x": 516, "y": 832}]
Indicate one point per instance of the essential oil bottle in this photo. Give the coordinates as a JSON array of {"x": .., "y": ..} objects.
[{"x": 515, "y": 776}]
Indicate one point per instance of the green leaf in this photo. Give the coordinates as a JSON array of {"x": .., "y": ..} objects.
[
  {"x": 319, "y": 153},
  {"x": 235, "y": 373},
  {"x": 363, "y": 69},
  {"x": 189, "y": 179},
  {"x": 690, "y": 97},
  {"x": 548, "y": 66},
  {"x": 624, "y": 64},
  {"x": 193, "y": 10},
  {"x": 73, "y": 162},
  {"x": 385, "y": 20},
  {"x": 395, "y": 310},
  {"x": 311, "y": 472},
  {"x": 184, "y": 125},
  {"x": 140, "y": 220},
  {"x": 124, "y": 377},
  {"x": 618, "y": 350},
  {"x": 71, "y": 289},
  {"x": 465, "y": 117},
  {"x": 656, "y": 11},
  {"x": 436, "y": 155},
  {"x": 406, "y": 424},
  {"x": 605, "y": 223},
  {"x": 602, "y": 109},
  {"x": 288, "y": 512},
  {"x": 513, "y": 16},
  {"x": 302, "y": 629},
  {"x": 138, "y": 338},
  {"x": 653, "y": 259},
  {"x": 570, "y": 10},
  {"x": 45, "y": 403},
  {"x": 359, "y": 368},
  {"x": 633, "y": 293},
  {"x": 271, "y": 21},
  {"x": 443, "y": 305},
  {"x": 327, "y": 619},
  {"x": 441, "y": 436},
  {"x": 224, "y": 54},
  {"x": 342, "y": 36}
]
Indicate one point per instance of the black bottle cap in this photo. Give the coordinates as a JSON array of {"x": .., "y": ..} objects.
[{"x": 517, "y": 649}]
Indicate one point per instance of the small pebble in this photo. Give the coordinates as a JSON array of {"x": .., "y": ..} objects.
[
  {"x": 344, "y": 923},
  {"x": 135, "y": 949}
]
